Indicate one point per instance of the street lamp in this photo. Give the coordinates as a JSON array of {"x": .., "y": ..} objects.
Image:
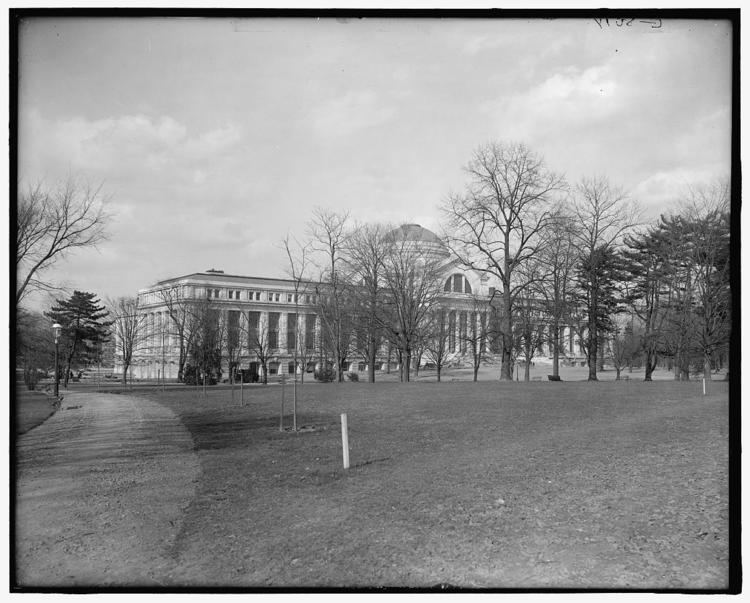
[{"x": 57, "y": 327}]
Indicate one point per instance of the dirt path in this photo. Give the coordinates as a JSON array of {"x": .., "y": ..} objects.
[{"x": 101, "y": 490}]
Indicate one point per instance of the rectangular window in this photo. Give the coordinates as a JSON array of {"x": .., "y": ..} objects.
[
  {"x": 291, "y": 332},
  {"x": 462, "y": 331},
  {"x": 277, "y": 297},
  {"x": 231, "y": 294},
  {"x": 310, "y": 332},
  {"x": 216, "y": 293},
  {"x": 273, "y": 330},
  {"x": 208, "y": 293},
  {"x": 289, "y": 298},
  {"x": 452, "y": 331},
  {"x": 307, "y": 299},
  {"x": 257, "y": 296},
  {"x": 233, "y": 329},
  {"x": 457, "y": 284},
  {"x": 253, "y": 323}
]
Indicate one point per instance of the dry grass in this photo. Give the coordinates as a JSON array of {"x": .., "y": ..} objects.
[{"x": 488, "y": 485}]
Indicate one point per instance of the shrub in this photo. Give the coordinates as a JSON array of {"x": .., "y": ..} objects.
[
  {"x": 352, "y": 376},
  {"x": 325, "y": 375},
  {"x": 192, "y": 376}
]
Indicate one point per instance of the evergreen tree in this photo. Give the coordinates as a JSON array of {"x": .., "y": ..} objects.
[
  {"x": 84, "y": 328},
  {"x": 647, "y": 265},
  {"x": 600, "y": 276}
]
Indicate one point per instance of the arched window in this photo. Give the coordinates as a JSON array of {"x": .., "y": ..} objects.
[{"x": 457, "y": 283}]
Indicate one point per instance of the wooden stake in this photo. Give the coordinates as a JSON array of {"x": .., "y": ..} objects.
[
  {"x": 345, "y": 440},
  {"x": 704, "y": 386}
]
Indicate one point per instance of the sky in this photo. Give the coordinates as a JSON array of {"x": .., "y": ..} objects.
[{"x": 215, "y": 138}]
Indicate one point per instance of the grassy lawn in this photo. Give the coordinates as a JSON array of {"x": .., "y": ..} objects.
[
  {"x": 477, "y": 485},
  {"x": 31, "y": 408}
]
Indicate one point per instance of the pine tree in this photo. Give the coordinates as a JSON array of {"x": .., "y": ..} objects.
[
  {"x": 600, "y": 277},
  {"x": 84, "y": 327}
]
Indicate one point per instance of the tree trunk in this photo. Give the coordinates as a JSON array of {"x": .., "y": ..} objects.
[
  {"x": 527, "y": 370},
  {"x": 650, "y": 363},
  {"x": 591, "y": 352},
  {"x": 439, "y": 368},
  {"x": 372, "y": 351},
  {"x": 506, "y": 368},
  {"x": 476, "y": 371},
  {"x": 556, "y": 349}
]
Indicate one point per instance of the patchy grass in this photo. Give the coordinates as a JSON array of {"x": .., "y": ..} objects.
[
  {"x": 488, "y": 485},
  {"x": 31, "y": 408}
]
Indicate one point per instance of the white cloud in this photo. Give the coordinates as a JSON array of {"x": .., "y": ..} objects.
[
  {"x": 127, "y": 147},
  {"x": 347, "y": 114}
]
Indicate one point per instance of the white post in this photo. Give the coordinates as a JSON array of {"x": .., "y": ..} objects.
[
  {"x": 704, "y": 386},
  {"x": 345, "y": 440}
]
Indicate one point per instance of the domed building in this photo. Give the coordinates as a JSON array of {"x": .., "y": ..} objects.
[
  {"x": 267, "y": 322},
  {"x": 426, "y": 240}
]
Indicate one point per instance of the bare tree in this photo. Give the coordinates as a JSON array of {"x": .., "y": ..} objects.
[
  {"x": 603, "y": 215},
  {"x": 34, "y": 345},
  {"x": 182, "y": 314},
  {"x": 258, "y": 341},
  {"x": 129, "y": 329},
  {"x": 708, "y": 213},
  {"x": 530, "y": 327},
  {"x": 436, "y": 341},
  {"x": 412, "y": 280},
  {"x": 365, "y": 255},
  {"x": 52, "y": 223},
  {"x": 622, "y": 344},
  {"x": 558, "y": 257},
  {"x": 329, "y": 236},
  {"x": 297, "y": 254},
  {"x": 477, "y": 335},
  {"x": 495, "y": 226}
]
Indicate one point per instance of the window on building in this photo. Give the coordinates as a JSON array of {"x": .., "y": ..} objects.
[
  {"x": 273, "y": 330},
  {"x": 291, "y": 332},
  {"x": 457, "y": 284},
  {"x": 257, "y": 296},
  {"x": 253, "y": 324},
  {"x": 233, "y": 329},
  {"x": 231, "y": 294},
  {"x": 291, "y": 368},
  {"x": 463, "y": 334},
  {"x": 216, "y": 293},
  {"x": 452, "y": 331},
  {"x": 458, "y": 281},
  {"x": 307, "y": 299},
  {"x": 310, "y": 332}
]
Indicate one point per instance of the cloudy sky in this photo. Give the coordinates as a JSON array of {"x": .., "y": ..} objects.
[{"x": 214, "y": 138}]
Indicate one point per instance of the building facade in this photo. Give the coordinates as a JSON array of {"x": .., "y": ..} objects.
[{"x": 279, "y": 319}]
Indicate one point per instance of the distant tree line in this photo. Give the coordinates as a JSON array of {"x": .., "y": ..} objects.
[{"x": 563, "y": 255}]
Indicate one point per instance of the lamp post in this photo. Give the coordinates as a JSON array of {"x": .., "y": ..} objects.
[{"x": 57, "y": 327}]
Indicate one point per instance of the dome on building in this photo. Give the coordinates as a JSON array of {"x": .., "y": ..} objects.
[
  {"x": 420, "y": 236},
  {"x": 415, "y": 232}
]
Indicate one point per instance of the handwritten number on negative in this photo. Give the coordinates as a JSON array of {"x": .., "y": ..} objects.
[{"x": 654, "y": 23}]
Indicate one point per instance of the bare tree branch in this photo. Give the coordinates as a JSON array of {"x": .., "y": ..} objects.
[{"x": 53, "y": 223}]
